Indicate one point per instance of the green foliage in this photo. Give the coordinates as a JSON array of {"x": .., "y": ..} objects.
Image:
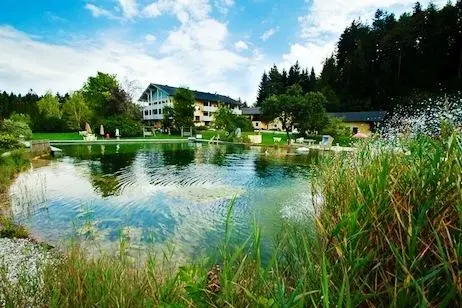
[
  {"x": 16, "y": 129},
  {"x": 183, "y": 109},
  {"x": 393, "y": 57},
  {"x": 48, "y": 106},
  {"x": 97, "y": 91},
  {"x": 8, "y": 142},
  {"x": 10, "y": 165},
  {"x": 9, "y": 229},
  {"x": 225, "y": 119},
  {"x": 126, "y": 125},
  {"x": 50, "y": 114},
  {"x": 167, "y": 117},
  {"x": 312, "y": 116},
  {"x": 336, "y": 128},
  {"x": 76, "y": 111},
  {"x": 21, "y": 117},
  {"x": 293, "y": 107},
  {"x": 277, "y": 83}
]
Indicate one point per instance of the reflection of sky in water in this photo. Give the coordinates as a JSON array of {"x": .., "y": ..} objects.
[{"x": 164, "y": 193}]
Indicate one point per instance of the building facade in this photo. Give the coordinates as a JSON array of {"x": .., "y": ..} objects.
[
  {"x": 156, "y": 97},
  {"x": 254, "y": 115},
  {"x": 365, "y": 122},
  {"x": 358, "y": 122}
]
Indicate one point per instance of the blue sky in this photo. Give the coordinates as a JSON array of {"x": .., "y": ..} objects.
[{"x": 210, "y": 45}]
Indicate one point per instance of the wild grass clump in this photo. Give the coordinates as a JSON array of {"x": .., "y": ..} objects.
[
  {"x": 9, "y": 229},
  {"x": 386, "y": 231},
  {"x": 389, "y": 228},
  {"x": 10, "y": 165}
]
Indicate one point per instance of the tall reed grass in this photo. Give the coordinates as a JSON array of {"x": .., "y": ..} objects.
[{"x": 386, "y": 231}]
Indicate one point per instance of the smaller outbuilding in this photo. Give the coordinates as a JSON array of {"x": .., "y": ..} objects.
[{"x": 364, "y": 122}]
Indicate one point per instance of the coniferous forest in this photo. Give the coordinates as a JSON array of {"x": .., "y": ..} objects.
[{"x": 381, "y": 65}]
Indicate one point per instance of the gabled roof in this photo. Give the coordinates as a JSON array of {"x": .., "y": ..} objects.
[
  {"x": 202, "y": 96},
  {"x": 360, "y": 116},
  {"x": 251, "y": 111}
]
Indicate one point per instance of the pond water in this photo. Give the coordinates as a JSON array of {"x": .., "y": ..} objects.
[{"x": 161, "y": 195}]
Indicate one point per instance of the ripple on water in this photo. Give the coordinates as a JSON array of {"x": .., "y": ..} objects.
[{"x": 158, "y": 194}]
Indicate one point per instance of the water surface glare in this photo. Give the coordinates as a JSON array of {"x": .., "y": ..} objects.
[{"x": 160, "y": 194}]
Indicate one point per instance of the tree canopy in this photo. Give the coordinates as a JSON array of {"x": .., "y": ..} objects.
[
  {"x": 377, "y": 66},
  {"x": 183, "y": 108},
  {"x": 294, "y": 107}
]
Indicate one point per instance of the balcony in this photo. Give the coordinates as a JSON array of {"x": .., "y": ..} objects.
[
  {"x": 206, "y": 118},
  {"x": 210, "y": 108}
]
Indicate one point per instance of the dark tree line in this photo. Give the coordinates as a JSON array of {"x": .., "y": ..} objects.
[
  {"x": 101, "y": 101},
  {"x": 277, "y": 83},
  {"x": 376, "y": 66}
]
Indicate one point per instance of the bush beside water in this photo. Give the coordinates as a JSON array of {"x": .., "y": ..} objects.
[{"x": 386, "y": 231}]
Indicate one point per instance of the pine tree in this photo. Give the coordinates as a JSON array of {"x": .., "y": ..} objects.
[
  {"x": 276, "y": 85},
  {"x": 263, "y": 89},
  {"x": 313, "y": 83},
  {"x": 294, "y": 75}
]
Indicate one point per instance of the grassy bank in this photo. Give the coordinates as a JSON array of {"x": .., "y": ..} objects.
[
  {"x": 386, "y": 231},
  {"x": 76, "y": 136},
  {"x": 10, "y": 166}
]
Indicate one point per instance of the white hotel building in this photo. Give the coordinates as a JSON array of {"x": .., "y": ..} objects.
[{"x": 156, "y": 97}]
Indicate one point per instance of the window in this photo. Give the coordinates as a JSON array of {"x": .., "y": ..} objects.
[
  {"x": 149, "y": 111},
  {"x": 256, "y": 123},
  {"x": 145, "y": 112},
  {"x": 206, "y": 114},
  {"x": 160, "y": 111},
  {"x": 355, "y": 130},
  {"x": 155, "y": 111},
  {"x": 197, "y": 118}
]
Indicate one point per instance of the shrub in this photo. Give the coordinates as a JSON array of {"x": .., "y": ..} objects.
[
  {"x": 244, "y": 124},
  {"x": 127, "y": 126},
  {"x": 16, "y": 128},
  {"x": 9, "y": 142},
  {"x": 21, "y": 117},
  {"x": 336, "y": 128}
]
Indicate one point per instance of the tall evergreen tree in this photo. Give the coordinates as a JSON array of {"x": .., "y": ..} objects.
[
  {"x": 276, "y": 85},
  {"x": 263, "y": 89},
  {"x": 313, "y": 85}
]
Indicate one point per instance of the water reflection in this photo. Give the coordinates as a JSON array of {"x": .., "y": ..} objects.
[{"x": 162, "y": 193}]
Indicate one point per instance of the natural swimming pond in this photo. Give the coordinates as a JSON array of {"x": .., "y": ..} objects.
[{"x": 161, "y": 195}]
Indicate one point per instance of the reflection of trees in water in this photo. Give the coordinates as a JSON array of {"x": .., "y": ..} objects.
[
  {"x": 285, "y": 163},
  {"x": 105, "y": 162},
  {"x": 178, "y": 154},
  {"x": 107, "y": 185}
]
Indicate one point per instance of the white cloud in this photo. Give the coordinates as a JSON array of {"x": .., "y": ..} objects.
[
  {"x": 129, "y": 8},
  {"x": 308, "y": 54},
  {"x": 203, "y": 63},
  {"x": 269, "y": 33},
  {"x": 184, "y": 10},
  {"x": 150, "y": 38},
  {"x": 97, "y": 11},
  {"x": 331, "y": 17},
  {"x": 223, "y": 6},
  {"x": 241, "y": 45},
  {"x": 325, "y": 20}
]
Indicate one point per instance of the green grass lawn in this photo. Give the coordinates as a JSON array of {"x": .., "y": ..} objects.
[
  {"x": 57, "y": 136},
  {"x": 267, "y": 136},
  {"x": 76, "y": 136}
]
